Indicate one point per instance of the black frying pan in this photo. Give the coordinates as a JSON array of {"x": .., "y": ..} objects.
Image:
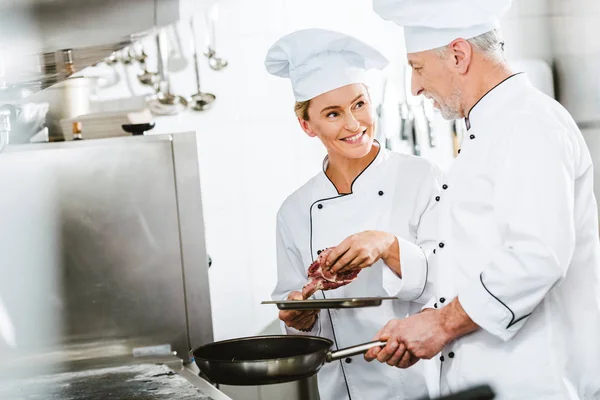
[{"x": 263, "y": 360}]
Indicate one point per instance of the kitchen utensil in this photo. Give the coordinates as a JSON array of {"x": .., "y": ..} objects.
[
  {"x": 4, "y": 128},
  {"x": 319, "y": 304},
  {"x": 177, "y": 60},
  {"x": 416, "y": 146},
  {"x": 408, "y": 128},
  {"x": 214, "y": 61},
  {"x": 103, "y": 81},
  {"x": 164, "y": 102},
  {"x": 146, "y": 78},
  {"x": 263, "y": 360},
  {"x": 455, "y": 138},
  {"x": 112, "y": 60},
  {"x": 126, "y": 56},
  {"x": 406, "y": 121},
  {"x": 429, "y": 114},
  {"x": 483, "y": 392},
  {"x": 380, "y": 129},
  {"x": 200, "y": 101}
]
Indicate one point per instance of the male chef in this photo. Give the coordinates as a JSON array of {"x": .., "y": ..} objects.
[{"x": 517, "y": 268}]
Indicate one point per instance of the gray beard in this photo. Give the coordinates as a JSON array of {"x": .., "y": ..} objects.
[
  {"x": 452, "y": 110},
  {"x": 450, "y": 114}
]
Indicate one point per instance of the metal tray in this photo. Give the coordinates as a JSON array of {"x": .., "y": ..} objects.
[{"x": 319, "y": 304}]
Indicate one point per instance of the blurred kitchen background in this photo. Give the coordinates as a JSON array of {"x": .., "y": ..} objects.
[{"x": 122, "y": 241}]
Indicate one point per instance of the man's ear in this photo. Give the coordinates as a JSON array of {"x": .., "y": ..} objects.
[
  {"x": 306, "y": 127},
  {"x": 461, "y": 54}
]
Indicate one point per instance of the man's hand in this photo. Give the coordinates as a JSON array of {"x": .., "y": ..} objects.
[
  {"x": 301, "y": 320},
  {"x": 421, "y": 336},
  {"x": 410, "y": 339},
  {"x": 362, "y": 250}
]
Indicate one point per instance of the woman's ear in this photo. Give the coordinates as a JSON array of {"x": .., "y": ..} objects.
[{"x": 304, "y": 124}]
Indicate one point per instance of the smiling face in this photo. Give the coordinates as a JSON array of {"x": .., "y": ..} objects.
[
  {"x": 435, "y": 77},
  {"x": 343, "y": 120}
]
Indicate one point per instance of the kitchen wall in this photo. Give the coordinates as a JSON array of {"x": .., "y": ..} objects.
[
  {"x": 565, "y": 34},
  {"x": 252, "y": 151}
]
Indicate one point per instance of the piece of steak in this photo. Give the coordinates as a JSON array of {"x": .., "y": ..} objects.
[{"x": 325, "y": 280}]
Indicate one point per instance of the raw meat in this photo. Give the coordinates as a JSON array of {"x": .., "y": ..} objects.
[{"x": 325, "y": 280}]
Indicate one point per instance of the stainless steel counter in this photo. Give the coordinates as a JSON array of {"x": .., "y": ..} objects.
[
  {"x": 117, "y": 378},
  {"x": 114, "y": 230}
]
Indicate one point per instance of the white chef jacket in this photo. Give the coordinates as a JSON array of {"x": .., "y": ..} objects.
[
  {"x": 395, "y": 193},
  {"x": 519, "y": 247}
]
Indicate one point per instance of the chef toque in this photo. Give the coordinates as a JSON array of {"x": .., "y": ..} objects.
[
  {"x": 318, "y": 61},
  {"x": 429, "y": 24}
]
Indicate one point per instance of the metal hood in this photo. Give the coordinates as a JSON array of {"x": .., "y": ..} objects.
[{"x": 43, "y": 42}]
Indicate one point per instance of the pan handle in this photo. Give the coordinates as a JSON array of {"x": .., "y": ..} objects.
[{"x": 352, "y": 351}]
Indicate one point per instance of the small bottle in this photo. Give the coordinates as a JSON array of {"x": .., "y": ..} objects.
[
  {"x": 77, "y": 135},
  {"x": 69, "y": 64}
]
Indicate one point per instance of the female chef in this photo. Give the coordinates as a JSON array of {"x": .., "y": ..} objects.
[{"x": 364, "y": 193}]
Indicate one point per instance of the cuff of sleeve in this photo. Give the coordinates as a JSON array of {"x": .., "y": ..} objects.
[
  {"x": 392, "y": 283},
  {"x": 315, "y": 331},
  {"x": 487, "y": 311},
  {"x": 413, "y": 263}
]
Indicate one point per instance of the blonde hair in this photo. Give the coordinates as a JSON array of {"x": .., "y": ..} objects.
[{"x": 301, "y": 109}]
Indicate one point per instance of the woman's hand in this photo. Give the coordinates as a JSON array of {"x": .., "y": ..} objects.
[
  {"x": 302, "y": 320},
  {"x": 362, "y": 250}
]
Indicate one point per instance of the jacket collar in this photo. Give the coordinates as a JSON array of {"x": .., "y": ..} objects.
[
  {"x": 366, "y": 176},
  {"x": 488, "y": 105}
]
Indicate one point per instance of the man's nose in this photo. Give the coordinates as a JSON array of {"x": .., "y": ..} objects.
[{"x": 415, "y": 85}]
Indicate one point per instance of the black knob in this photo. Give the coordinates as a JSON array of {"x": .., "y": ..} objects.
[
  {"x": 381, "y": 192},
  {"x": 437, "y": 198},
  {"x": 348, "y": 360},
  {"x": 472, "y": 136},
  {"x": 442, "y": 299},
  {"x": 451, "y": 354},
  {"x": 209, "y": 261},
  {"x": 320, "y": 206},
  {"x": 444, "y": 186},
  {"x": 442, "y": 245},
  {"x": 138, "y": 129}
]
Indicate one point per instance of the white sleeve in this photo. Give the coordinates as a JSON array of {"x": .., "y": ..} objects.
[
  {"x": 417, "y": 277},
  {"x": 534, "y": 194},
  {"x": 291, "y": 274}
]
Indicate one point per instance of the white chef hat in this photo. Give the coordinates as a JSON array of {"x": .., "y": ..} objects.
[
  {"x": 318, "y": 60},
  {"x": 429, "y": 24}
]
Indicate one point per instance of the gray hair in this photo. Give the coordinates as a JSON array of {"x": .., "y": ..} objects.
[{"x": 489, "y": 43}]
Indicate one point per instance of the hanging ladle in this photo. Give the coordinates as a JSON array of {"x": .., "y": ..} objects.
[
  {"x": 146, "y": 78},
  {"x": 164, "y": 102},
  {"x": 215, "y": 62},
  {"x": 201, "y": 101}
]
